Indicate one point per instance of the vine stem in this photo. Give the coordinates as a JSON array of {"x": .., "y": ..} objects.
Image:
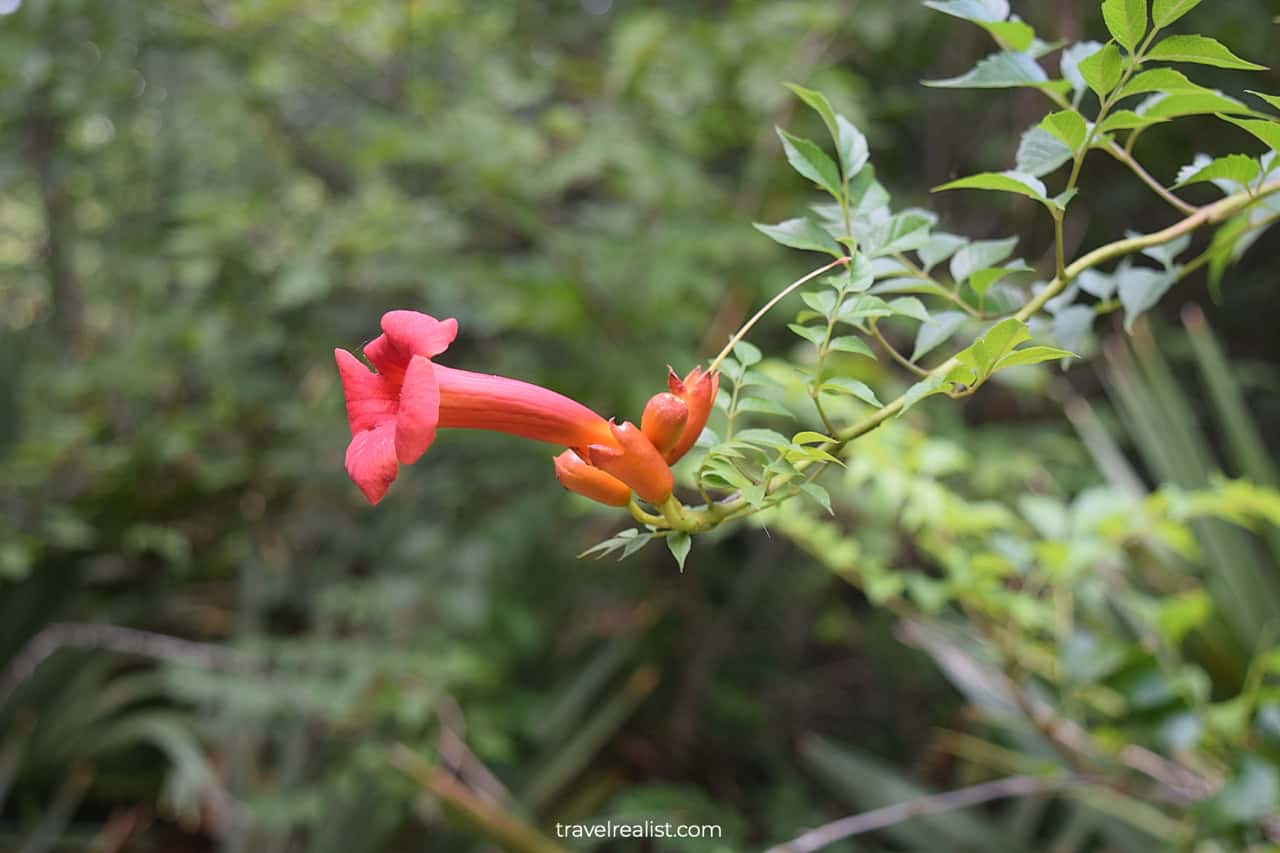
[
  {"x": 1134, "y": 166},
  {"x": 944, "y": 292},
  {"x": 893, "y": 351},
  {"x": 768, "y": 306}
]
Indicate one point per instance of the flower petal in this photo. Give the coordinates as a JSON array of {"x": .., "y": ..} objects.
[
  {"x": 371, "y": 460},
  {"x": 698, "y": 390},
  {"x": 370, "y": 399},
  {"x": 638, "y": 463},
  {"x": 419, "y": 411},
  {"x": 480, "y": 401},
  {"x": 415, "y": 333},
  {"x": 664, "y": 418},
  {"x": 389, "y": 361},
  {"x": 577, "y": 476}
]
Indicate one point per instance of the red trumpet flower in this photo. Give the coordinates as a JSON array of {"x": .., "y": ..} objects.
[{"x": 395, "y": 412}]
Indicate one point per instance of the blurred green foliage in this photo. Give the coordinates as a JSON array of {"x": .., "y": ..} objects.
[{"x": 200, "y": 200}]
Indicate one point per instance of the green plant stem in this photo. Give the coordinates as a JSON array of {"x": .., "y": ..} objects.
[
  {"x": 824, "y": 349},
  {"x": 944, "y": 292},
  {"x": 768, "y": 306},
  {"x": 1059, "y": 245},
  {"x": 1127, "y": 158},
  {"x": 893, "y": 353}
]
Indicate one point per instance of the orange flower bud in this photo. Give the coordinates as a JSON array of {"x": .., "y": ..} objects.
[
  {"x": 638, "y": 463},
  {"x": 698, "y": 391},
  {"x": 590, "y": 482},
  {"x": 663, "y": 420}
]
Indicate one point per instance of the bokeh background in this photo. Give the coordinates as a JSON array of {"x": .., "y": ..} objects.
[{"x": 200, "y": 199}]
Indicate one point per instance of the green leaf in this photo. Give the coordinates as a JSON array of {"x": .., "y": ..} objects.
[
  {"x": 678, "y": 543},
  {"x": 977, "y": 11},
  {"x": 823, "y": 302},
  {"x": 991, "y": 347},
  {"x": 1006, "y": 182},
  {"x": 1177, "y": 104},
  {"x": 747, "y": 354},
  {"x": 1068, "y": 126},
  {"x": 812, "y": 334},
  {"x": 997, "y": 71},
  {"x": 866, "y": 194},
  {"x": 1166, "y": 253},
  {"x": 1167, "y": 80},
  {"x": 1199, "y": 49},
  {"x": 1126, "y": 20},
  {"x": 1062, "y": 199},
  {"x": 761, "y": 437},
  {"x": 980, "y": 254},
  {"x": 937, "y": 331},
  {"x": 1234, "y": 167},
  {"x": 811, "y": 162},
  {"x": 1015, "y": 35},
  {"x": 1070, "y": 63},
  {"x": 982, "y": 279},
  {"x": 1273, "y": 100},
  {"x": 852, "y": 387},
  {"x": 991, "y": 16},
  {"x": 1102, "y": 70},
  {"x": 628, "y": 541},
  {"x": 862, "y": 306},
  {"x": 927, "y": 387},
  {"x": 764, "y": 406},
  {"x": 1032, "y": 355},
  {"x": 1165, "y": 12},
  {"x": 939, "y": 247},
  {"x": 1072, "y": 325},
  {"x": 808, "y": 436},
  {"x": 1267, "y": 131},
  {"x": 818, "y": 495},
  {"x": 1096, "y": 283},
  {"x": 902, "y": 232},
  {"x": 819, "y": 103},
  {"x": 909, "y": 306},
  {"x": 801, "y": 234},
  {"x": 1040, "y": 152},
  {"x": 852, "y": 344},
  {"x": 1141, "y": 288},
  {"x": 1126, "y": 120},
  {"x": 851, "y": 146}
]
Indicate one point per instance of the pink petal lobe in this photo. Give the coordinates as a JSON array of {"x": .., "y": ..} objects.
[
  {"x": 419, "y": 411},
  {"x": 389, "y": 361},
  {"x": 371, "y": 460},
  {"x": 370, "y": 400},
  {"x": 415, "y": 333}
]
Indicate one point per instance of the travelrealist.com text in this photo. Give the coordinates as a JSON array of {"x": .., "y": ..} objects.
[{"x": 644, "y": 829}]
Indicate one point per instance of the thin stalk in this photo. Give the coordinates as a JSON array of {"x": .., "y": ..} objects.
[
  {"x": 768, "y": 306},
  {"x": 943, "y": 291},
  {"x": 893, "y": 351},
  {"x": 1127, "y": 158}
]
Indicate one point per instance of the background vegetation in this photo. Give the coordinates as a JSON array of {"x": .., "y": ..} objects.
[{"x": 201, "y": 199}]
